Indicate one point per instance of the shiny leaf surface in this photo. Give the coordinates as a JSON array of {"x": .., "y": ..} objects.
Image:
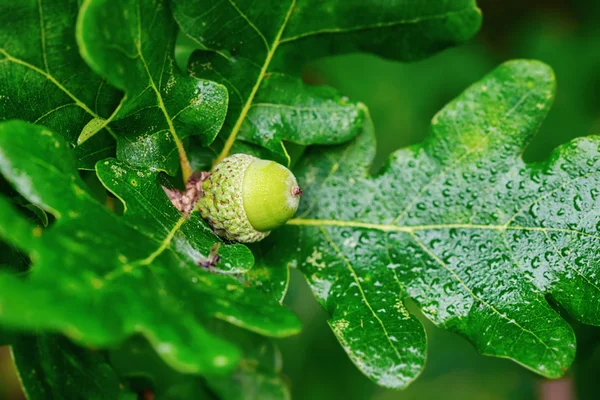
[
  {"x": 99, "y": 278},
  {"x": 44, "y": 80},
  {"x": 460, "y": 224},
  {"x": 264, "y": 46},
  {"x": 162, "y": 106}
]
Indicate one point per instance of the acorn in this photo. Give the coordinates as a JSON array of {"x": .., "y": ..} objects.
[{"x": 245, "y": 198}]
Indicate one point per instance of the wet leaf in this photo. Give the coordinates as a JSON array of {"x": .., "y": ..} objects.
[
  {"x": 162, "y": 106},
  {"x": 44, "y": 80},
  {"x": 460, "y": 224},
  {"x": 99, "y": 278},
  {"x": 264, "y": 46}
]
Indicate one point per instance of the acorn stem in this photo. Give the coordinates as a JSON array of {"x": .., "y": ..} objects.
[
  {"x": 185, "y": 201},
  {"x": 186, "y": 168}
]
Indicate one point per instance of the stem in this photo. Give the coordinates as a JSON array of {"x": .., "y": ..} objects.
[{"x": 186, "y": 168}]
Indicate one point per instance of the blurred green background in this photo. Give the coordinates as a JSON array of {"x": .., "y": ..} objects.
[{"x": 402, "y": 99}]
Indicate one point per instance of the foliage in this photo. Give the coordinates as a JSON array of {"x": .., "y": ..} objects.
[
  {"x": 402, "y": 100},
  {"x": 264, "y": 45},
  {"x": 104, "y": 303},
  {"x": 53, "y": 368},
  {"x": 425, "y": 226}
]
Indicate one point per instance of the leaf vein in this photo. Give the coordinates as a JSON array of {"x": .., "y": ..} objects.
[
  {"x": 415, "y": 228},
  {"x": 463, "y": 283},
  {"x": 250, "y": 23},
  {"x": 389, "y": 24},
  {"x": 357, "y": 281},
  {"x": 568, "y": 263},
  {"x": 49, "y": 77},
  {"x": 236, "y": 128}
]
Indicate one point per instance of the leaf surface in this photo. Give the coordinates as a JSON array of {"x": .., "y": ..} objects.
[
  {"x": 255, "y": 377},
  {"x": 99, "y": 278},
  {"x": 52, "y": 368},
  {"x": 256, "y": 50},
  {"x": 478, "y": 238},
  {"x": 258, "y": 375},
  {"x": 162, "y": 106},
  {"x": 141, "y": 369},
  {"x": 43, "y": 79}
]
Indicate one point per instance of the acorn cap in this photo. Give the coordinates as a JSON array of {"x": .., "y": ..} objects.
[{"x": 246, "y": 197}]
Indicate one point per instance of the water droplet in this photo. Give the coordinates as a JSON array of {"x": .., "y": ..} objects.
[
  {"x": 578, "y": 202},
  {"x": 534, "y": 209},
  {"x": 448, "y": 288}
]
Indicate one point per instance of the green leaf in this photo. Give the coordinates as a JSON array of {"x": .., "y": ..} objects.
[
  {"x": 256, "y": 376},
  {"x": 258, "y": 373},
  {"x": 268, "y": 275},
  {"x": 52, "y": 368},
  {"x": 135, "y": 52},
  {"x": 141, "y": 369},
  {"x": 44, "y": 80},
  {"x": 460, "y": 224},
  {"x": 148, "y": 209},
  {"x": 264, "y": 43},
  {"x": 99, "y": 278}
]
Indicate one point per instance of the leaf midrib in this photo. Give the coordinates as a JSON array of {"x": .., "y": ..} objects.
[
  {"x": 46, "y": 73},
  {"x": 411, "y": 230},
  {"x": 52, "y": 79},
  {"x": 356, "y": 279},
  {"x": 247, "y": 105},
  {"x": 500, "y": 229},
  {"x": 452, "y": 272},
  {"x": 186, "y": 168},
  {"x": 164, "y": 243},
  {"x": 377, "y": 25},
  {"x": 416, "y": 228}
]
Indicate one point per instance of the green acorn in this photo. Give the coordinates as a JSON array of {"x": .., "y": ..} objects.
[{"x": 245, "y": 198}]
